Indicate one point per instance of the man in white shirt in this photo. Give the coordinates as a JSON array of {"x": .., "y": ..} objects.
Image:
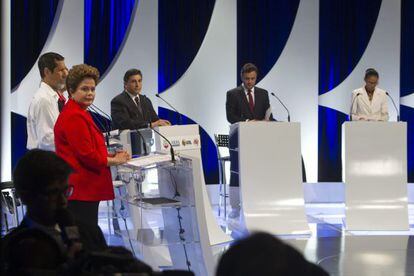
[{"x": 47, "y": 102}]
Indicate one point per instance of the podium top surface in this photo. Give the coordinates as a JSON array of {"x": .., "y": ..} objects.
[
  {"x": 179, "y": 130},
  {"x": 372, "y": 123},
  {"x": 262, "y": 123}
]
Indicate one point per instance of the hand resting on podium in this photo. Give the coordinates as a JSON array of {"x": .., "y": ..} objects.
[
  {"x": 160, "y": 122},
  {"x": 119, "y": 158}
]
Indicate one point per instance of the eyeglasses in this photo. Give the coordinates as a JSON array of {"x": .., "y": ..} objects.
[{"x": 67, "y": 191}]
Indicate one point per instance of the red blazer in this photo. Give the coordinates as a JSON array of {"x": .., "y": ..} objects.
[{"x": 80, "y": 142}]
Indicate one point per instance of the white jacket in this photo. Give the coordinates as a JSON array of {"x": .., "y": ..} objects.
[{"x": 364, "y": 109}]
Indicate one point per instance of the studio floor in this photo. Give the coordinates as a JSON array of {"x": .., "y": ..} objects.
[{"x": 338, "y": 251}]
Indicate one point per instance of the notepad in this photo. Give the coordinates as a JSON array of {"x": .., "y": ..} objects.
[
  {"x": 148, "y": 160},
  {"x": 160, "y": 201}
]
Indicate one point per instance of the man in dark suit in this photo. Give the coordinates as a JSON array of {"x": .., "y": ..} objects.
[
  {"x": 130, "y": 109},
  {"x": 248, "y": 102},
  {"x": 244, "y": 103}
]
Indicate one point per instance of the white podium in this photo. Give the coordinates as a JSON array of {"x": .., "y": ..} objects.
[
  {"x": 270, "y": 176},
  {"x": 374, "y": 157},
  {"x": 186, "y": 140}
]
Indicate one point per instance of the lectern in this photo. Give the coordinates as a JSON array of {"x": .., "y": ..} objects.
[
  {"x": 270, "y": 176},
  {"x": 374, "y": 157},
  {"x": 185, "y": 139}
]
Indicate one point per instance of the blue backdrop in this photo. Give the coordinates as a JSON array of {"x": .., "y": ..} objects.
[
  {"x": 263, "y": 28},
  {"x": 345, "y": 27}
]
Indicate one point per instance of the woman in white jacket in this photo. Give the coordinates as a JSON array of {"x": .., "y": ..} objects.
[{"x": 369, "y": 102}]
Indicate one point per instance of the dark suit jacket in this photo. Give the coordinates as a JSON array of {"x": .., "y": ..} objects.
[
  {"x": 237, "y": 106},
  {"x": 125, "y": 113},
  {"x": 91, "y": 238}
]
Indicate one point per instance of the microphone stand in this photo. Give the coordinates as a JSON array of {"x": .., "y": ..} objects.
[
  {"x": 352, "y": 105},
  {"x": 396, "y": 109},
  {"x": 180, "y": 118},
  {"x": 168, "y": 141},
  {"x": 98, "y": 120},
  {"x": 287, "y": 110}
]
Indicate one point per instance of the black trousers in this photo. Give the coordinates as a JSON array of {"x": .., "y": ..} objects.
[{"x": 84, "y": 211}]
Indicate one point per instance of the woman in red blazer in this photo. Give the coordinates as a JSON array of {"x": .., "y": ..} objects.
[{"x": 81, "y": 143}]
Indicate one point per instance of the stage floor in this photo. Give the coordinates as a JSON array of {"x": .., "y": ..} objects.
[{"x": 338, "y": 251}]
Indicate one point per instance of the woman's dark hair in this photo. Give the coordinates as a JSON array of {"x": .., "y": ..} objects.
[{"x": 371, "y": 72}]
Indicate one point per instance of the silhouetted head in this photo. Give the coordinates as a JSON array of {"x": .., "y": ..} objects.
[
  {"x": 41, "y": 180},
  {"x": 264, "y": 254}
]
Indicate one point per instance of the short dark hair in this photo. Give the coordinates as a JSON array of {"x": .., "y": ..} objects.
[
  {"x": 264, "y": 254},
  {"x": 371, "y": 72},
  {"x": 78, "y": 73},
  {"x": 37, "y": 169},
  {"x": 48, "y": 60},
  {"x": 131, "y": 72},
  {"x": 249, "y": 67}
]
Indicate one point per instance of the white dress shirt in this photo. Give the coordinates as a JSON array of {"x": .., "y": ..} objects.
[
  {"x": 133, "y": 97},
  {"x": 363, "y": 108},
  {"x": 247, "y": 93},
  {"x": 41, "y": 118}
]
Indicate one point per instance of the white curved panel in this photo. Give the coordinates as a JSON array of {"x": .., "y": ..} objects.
[
  {"x": 201, "y": 92},
  {"x": 382, "y": 53},
  {"x": 5, "y": 146},
  {"x": 139, "y": 50},
  {"x": 294, "y": 78},
  {"x": 408, "y": 100},
  {"x": 65, "y": 38}
]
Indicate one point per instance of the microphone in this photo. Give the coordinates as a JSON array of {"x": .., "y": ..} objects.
[
  {"x": 144, "y": 144},
  {"x": 98, "y": 111},
  {"x": 103, "y": 112},
  {"x": 396, "y": 109},
  {"x": 352, "y": 105},
  {"x": 168, "y": 141},
  {"x": 180, "y": 118},
  {"x": 107, "y": 116},
  {"x": 287, "y": 110},
  {"x": 98, "y": 120}
]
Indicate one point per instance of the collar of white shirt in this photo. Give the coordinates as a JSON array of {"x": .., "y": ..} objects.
[
  {"x": 246, "y": 91},
  {"x": 132, "y": 96},
  {"x": 49, "y": 90}
]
